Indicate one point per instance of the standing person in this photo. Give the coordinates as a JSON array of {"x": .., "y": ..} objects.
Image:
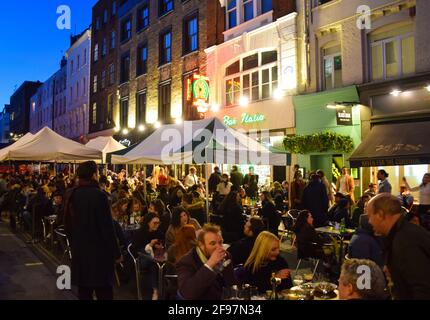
[
  {"x": 251, "y": 188},
  {"x": 205, "y": 270},
  {"x": 327, "y": 185},
  {"x": 384, "y": 186},
  {"x": 233, "y": 218},
  {"x": 247, "y": 178},
  {"x": 269, "y": 213},
  {"x": 424, "y": 198},
  {"x": 89, "y": 226},
  {"x": 345, "y": 184},
  {"x": 236, "y": 178},
  {"x": 407, "y": 251},
  {"x": 214, "y": 180},
  {"x": 224, "y": 186},
  {"x": 297, "y": 187},
  {"x": 315, "y": 200},
  {"x": 191, "y": 179}
]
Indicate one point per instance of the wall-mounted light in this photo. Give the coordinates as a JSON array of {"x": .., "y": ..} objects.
[
  {"x": 117, "y": 129},
  {"x": 157, "y": 124},
  {"x": 339, "y": 105},
  {"x": 125, "y": 131},
  {"x": 141, "y": 128},
  {"x": 178, "y": 120},
  {"x": 278, "y": 94},
  {"x": 395, "y": 92},
  {"x": 332, "y": 106},
  {"x": 428, "y": 88},
  {"x": 243, "y": 101},
  {"x": 215, "y": 107}
]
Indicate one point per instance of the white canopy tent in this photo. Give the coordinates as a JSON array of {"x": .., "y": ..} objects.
[
  {"x": 4, "y": 153},
  {"x": 199, "y": 142},
  {"x": 48, "y": 146},
  {"x": 105, "y": 145}
]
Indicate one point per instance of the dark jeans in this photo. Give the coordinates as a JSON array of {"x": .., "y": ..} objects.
[{"x": 102, "y": 293}]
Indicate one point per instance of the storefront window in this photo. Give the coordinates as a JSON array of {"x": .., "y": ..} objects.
[{"x": 254, "y": 77}]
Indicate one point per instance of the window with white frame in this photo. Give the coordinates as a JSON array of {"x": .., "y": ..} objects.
[
  {"x": 332, "y": 67},
  {"x": 231, "y": 14},
  {"x": 240, "y": 11},
  {"x": 392, "y": 53},
  {"x": 254, "y": 77}
]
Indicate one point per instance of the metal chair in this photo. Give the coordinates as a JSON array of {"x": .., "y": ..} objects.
[
  {"x": 137, "y": 271},
  {"x": 64, "y": 242},
  {"x": 314, "y": 259}
]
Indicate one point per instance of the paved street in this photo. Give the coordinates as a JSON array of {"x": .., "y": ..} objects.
[{"x": 23, "y": 276}]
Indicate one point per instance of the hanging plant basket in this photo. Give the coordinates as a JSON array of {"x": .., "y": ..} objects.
[{"x": 319, "y": 142}]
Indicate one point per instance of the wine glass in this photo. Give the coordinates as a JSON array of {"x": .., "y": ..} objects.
[{"x": 298, "y": 280}]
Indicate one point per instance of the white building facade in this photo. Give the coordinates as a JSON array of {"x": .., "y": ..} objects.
[
  {"x": 41, "y": 106},
  {"x": 75, "y": 119},
  {"x": 253, "y": 75}
]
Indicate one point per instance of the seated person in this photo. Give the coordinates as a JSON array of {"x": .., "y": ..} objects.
[
  {"x": 241, "y": 249},
  {"x": 337, "y": 197},
  {"x": 148, "y": 242},
  {"x": 359, "y": 210},
  {"x": 265, "y": 260},
  {"x": 206, "y": 269},
  {"x": 307, "y": 236},
  {"x": 349, "y": 278},
  {"x": 180, "y": 218},
  {"x": 185, "y": 241},
  {"x": 342, "y": 213},
  {"x": 405, "y": 197},
  {"x": 365, "y": 245}
]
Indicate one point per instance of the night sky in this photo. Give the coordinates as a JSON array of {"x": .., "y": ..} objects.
[{"x": 31, "y": 43}]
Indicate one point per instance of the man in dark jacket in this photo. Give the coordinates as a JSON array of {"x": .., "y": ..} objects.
[
  {"x": 236, "y": 178},
  {"x": 365, "y": 245},
  {"x": 206, "y": 269},
  {"x": 315, "y": 200},
  {"x": 241, "y": 249},
  {"x": 89, "y": 226},
  {"x": 407, "y": 248},
  {"x": 214, "y": 180}
]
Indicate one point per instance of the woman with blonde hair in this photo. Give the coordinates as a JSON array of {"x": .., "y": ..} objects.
[{"x": 265, "y": 260}]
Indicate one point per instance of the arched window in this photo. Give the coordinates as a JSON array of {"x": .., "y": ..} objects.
[{"x": 254, "y": 77}]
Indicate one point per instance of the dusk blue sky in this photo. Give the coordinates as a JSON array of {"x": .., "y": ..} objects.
[{"x": 31, "y": 43}]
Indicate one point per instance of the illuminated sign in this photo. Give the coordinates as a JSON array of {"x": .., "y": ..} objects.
[
  {"x": 246, "y": 119},
  {"x": 344, "y": 116},
  {"x": 198, "y": 92}
]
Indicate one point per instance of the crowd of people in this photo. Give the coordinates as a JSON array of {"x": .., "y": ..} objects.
[{"x": 172, "y": 225}]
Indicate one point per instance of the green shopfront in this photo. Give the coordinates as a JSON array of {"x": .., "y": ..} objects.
[{"x": 336, "y": 111}]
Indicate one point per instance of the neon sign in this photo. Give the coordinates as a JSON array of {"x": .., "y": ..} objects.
[
  {"x": 245, "y": 119},
  {"x": 198, "y": 92}
]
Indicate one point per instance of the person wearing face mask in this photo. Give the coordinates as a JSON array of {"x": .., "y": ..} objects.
[
  {"x": 205, "y": 270},
  {"x": 265, "y": 260}
]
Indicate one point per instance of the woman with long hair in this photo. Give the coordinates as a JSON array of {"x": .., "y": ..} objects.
[
  {"x": 269, "y": 212},
  {"x": 306, "y": 235},
  {"x": 180, "y": 218},
  {"x": 265, "y": 260},
  {"x": 232, "y": 217},
  {"x": 424, "y": 198},
  {"x": 185, "y": 240},
  {"x": 224, "y": 187},
  {"x": 157, "y": 206}
]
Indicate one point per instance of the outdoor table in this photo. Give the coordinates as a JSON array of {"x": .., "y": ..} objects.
[{"x": 334, "y": 232}]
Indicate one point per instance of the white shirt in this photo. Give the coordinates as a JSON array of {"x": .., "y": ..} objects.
[
  {"x": 191, "y": 180},
  {"x": 222, "y": 189},
  {"x": 424, "y": 193},
  {"x": 343, "y": 185}
]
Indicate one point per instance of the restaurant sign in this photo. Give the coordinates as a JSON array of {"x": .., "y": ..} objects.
[
  {"x": 245, "y": 119},
  {"x": 344, "y": 116}
]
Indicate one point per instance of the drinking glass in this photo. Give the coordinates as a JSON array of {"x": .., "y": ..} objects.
[{"x": 298, "y": 280}]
